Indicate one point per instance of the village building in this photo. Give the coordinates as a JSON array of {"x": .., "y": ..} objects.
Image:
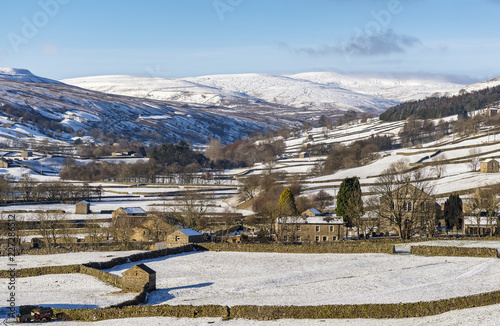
[
  {"x": 416, "y": 209},
  {"x": 151, "y": 229},
  {"x": 184, "y": 237},
  {"x": 312, "y": 226},
  {"x": 82, "y": 207},
  {"x": 26, "y": 154},
  {"x": 480, "y": 224},
  {"x": 128, "y": 212},
  {"x": 491, "y": 166},
  {"x": 135, "y": 278},
  {"x": 4, "y": 164},
  {"x": 491, "y": 112}
]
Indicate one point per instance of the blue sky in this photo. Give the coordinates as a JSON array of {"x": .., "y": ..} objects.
[{"x": 183, "y": 38}]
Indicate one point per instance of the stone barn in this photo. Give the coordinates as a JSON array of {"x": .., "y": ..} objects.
[
  {"x": 128, "y": 212},
  {"x": 491, "y": 166},
  {"x": 134, "y": 278},
  {"x": 26, "y": 154},
  {"x": 82, "y": 207},
  {"x": 184, "y": 237},
  {"x": 4, "y": 164}
]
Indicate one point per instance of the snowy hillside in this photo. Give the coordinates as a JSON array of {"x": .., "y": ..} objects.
[
  {"x": 482, "y": 85},
  {"x": 162, "y": 89},
  {"x": 23, "y": 94},
  {"x": 391, "y": 88},
  {"x": 295, "y": 92},
  {"x": 23, "y": 75},
  {"x": 318, "y": 92}
]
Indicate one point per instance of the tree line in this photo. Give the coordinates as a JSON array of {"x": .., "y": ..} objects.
[
  {"x": 28, "y": 189},
  {"x": 439, "y": 107}
]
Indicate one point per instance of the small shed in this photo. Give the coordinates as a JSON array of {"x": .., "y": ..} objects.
[
  {"x": 135, "y": 278},
  {"x": 25, "y": 154},
  {"x": 491, "y": 166},
  {"x": 82, "y": 207},
  {"x": 185, "y": 236},
  {"x": 4, "y": 164}
]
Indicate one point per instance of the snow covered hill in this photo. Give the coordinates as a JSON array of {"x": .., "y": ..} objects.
[
  {"x": 387, "y": 87},
  {"x": 23, "y": 75},
  {"x": 482, "y": 85},
  {"x": 26, "y": 98},
  {"x": 305, "y": 95}
]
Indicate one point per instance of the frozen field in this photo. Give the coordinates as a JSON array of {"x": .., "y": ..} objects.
[
  {"x": 27, "y": 261},
  {"x": 451, "y": 243},
  {"x": 64, "y": 290},
  {"x": 231, "y": 278}
]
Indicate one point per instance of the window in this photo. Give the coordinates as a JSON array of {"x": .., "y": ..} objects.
[
  {"x": 422, "y": 206},
  {"x": 325, "y": 238},
  {"x": 285, "y": 238},
  {"x": 405, "y": 206},
  {"x": 317, "y": 228},
  {"x": 317, "y": 238},
  {"x": 299, "y": 239},
  {"x": 409, "y": 206},
  {"x": 177, "y": 238},
  {"x": 298, "y": 227}
]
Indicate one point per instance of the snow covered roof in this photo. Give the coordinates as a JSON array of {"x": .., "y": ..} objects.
[
  {"x": 84, "y": 201},
  {"x": 133, "y": 210},
  {"x": 483, "y": 220},
  {"x": 190, "y": 232}
]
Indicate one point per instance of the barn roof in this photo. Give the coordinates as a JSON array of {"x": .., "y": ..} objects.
[
  {"x": 133, "y": 210},
  {"x": 190, "y": 232},
  {"x": 144, "y": 268}
]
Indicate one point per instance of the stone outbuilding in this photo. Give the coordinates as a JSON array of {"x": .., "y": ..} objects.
[
  {"x": 82, "y": 207},
  {"x": 4, "y": 164},
  {"x": 184, "y": 237},
  {"x": 491, "y": 166},
  {"x": 134, "y": 279},
  {"x": 128, "y": 212},
  {"x": 26, "y": 154}
]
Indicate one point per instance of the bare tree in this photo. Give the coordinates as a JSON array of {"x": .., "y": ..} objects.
[
  {"x": 249, "y": 187},
  {"x": 193, "y": 209},
  {"x": 484, "y": 207},
  {"x": 94, "y": 230},
  {"x": 405, "y": 201},
  {"x": 439, "y": 165},
  {"x": 322, "y": 199},
  {"x": 50, "y": 226},
  {"x": 473, "y": 162}
]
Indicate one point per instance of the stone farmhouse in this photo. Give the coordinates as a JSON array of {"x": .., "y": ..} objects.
[
  {"x": 312, "y": 226},
  {"x": 184, "y": 237}
]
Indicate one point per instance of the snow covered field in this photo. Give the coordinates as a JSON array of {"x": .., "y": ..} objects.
[
  {"x": 28, "y": 261},
  {"x": 451, "y": 243},
  {"x": 231, "y": 278},
  {"x": 64, "y": 290}
]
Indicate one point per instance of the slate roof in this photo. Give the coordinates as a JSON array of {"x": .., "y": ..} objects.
[
  {"x": 190, "y": 232},
  {"x": 146, "y": 269},
  {"x": 133, "y": 210}
]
